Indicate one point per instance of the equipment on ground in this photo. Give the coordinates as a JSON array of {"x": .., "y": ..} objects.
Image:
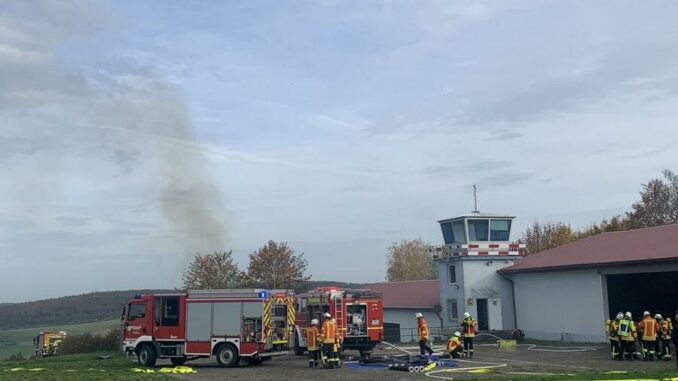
[
  {"x": 359, "y": 315},
  {"x": 47, "y": 342},
  {"x": 249, "y": 324}
]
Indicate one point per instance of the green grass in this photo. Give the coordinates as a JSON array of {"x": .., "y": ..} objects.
[
  {"x": 21, "y": 340},
  {"x": 86, "y": 367}
]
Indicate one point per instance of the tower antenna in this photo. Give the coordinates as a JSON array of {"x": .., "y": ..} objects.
[{"x": 475, "y": 199}]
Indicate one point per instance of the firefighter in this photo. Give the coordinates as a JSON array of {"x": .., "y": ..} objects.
[
  {"x": 313, "y": 338},
  {"x": 664, "y": 337},
  {"x": 674, "y": 338},
  {"x": 422, "y": 331},
  {"x": 454, "y": 346},
  {"x": 648, "y": 327},
  {"x": 470, "y": 327},
  {"x": 328, "y": 337},
  {"x": 611, "y": 327},
  {"x": 627, "y": 336}
]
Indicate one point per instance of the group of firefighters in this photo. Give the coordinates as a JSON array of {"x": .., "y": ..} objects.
[
  {"x": 324, "y": 343},
  {"x": 654, "y": 333},
  {"x": 455, "y": 348}
]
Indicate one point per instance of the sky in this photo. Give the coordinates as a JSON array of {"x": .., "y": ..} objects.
[{"x": 136, "y": 133}]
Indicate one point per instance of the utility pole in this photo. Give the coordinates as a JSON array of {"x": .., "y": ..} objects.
[{"x": 475, "y": 199}]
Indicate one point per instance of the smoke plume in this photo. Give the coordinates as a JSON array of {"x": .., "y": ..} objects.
[{"x": 111, "y": 120}]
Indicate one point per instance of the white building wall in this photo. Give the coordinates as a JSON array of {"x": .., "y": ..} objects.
[
  {"x": 451, "y": 291},
  {"x": 476, "y": 278},
  {"x": 482, "y": 281},
  {"x": 560, "y": 305}
]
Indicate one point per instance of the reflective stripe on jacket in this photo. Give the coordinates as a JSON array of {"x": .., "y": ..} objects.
[
  {"x": 649, "y": 328},
  {"x": 665, "y": 328},
  {"x": 312, "y": 336},
  {"x": 469, "y": 327},
  {"x": 453, "y": 343},
  {"x": 328, "y": 334},
  {"x": 611, "y": 327},
  {"x": 422, "y": 329},
  {"x": 627, "y": 330}
]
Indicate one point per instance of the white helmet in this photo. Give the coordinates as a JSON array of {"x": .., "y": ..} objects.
[
  {"x": 457, "y": 334},
  {"x": 658, "y": 316},
  {"x": 419, "y": 315},
  {"x": 314, "y": 322},
  {"x": 646, "y": 313},
  {"x": 620, "y": 316},
  {"x": 628, "y": 315},
  {"x": 466, "y": 314},
  {"x": 327, "y": 315}
]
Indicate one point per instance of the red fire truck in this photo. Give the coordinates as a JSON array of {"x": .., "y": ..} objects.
[
  {"x": 251, "y": 324},
  {"x": 359, "y": 315}
]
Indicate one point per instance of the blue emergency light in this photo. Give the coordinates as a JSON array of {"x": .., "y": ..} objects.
[
  {"x": 137, "y": 295},
  {"x": 262, "y": 294}
]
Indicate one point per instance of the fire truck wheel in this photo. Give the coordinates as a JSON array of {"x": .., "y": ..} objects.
[
  {"x": 227, "y": 355},
  {"x": 146, "y": 355},
  {"x": 178, "y": 361}
]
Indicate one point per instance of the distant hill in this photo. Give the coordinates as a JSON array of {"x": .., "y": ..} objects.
[
  {"x": 92, "y": 307},
  {"x": 95, "y": 306}
]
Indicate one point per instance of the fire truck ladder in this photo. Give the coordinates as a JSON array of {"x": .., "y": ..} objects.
[{"x": 339, "y": 314}]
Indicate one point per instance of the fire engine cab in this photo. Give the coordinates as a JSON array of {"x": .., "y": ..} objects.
[
  {"x": 251, "y": 324},
  {"x": 359, "y": 315}
]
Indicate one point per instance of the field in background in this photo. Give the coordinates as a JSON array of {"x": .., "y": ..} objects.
[{"x": 21, "y": 340}]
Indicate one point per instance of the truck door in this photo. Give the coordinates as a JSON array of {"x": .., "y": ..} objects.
[
  {"x": 166, "y": 316},
  {"x": 138, "y": 321}
]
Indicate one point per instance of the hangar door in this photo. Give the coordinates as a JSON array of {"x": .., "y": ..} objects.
[{"x": 656, "y": 292}]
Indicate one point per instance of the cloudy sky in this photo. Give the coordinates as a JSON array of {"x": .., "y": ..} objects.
[{"x": 135, "y": 133}]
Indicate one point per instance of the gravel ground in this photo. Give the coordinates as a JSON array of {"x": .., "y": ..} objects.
[{"x": 544, "y": 360}]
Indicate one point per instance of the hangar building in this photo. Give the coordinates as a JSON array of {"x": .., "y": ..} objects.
[{"x": 568, "y": 292}]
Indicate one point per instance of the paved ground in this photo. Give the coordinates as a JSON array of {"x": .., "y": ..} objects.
[{"x": 520, "y": 363}]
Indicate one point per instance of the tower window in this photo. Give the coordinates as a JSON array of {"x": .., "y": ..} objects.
[{"x": 477, "y": 230}]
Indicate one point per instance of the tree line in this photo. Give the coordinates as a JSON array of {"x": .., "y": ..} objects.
[
  {"x": 658, "y": 205},
  {"x": 273, "y": 266}
]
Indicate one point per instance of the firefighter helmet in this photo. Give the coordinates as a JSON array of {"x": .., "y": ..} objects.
[
  {"x": 314, "y": 322},
  {"x": 327, "y": 315},
  {"x": 658, "y": 316},
  {"x": 419, "y": 315},
  {"x": 620, "y": 316},
  {"x": 628, "y": 315},
  {"x": 457, "y": 334},
  {"x": 467, "y": 315},
  {"x": 646, "y": 313}
]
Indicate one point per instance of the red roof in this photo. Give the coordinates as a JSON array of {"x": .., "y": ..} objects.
[
  {"x": 625, "y": 247},
  {"x": 408, "y": 294}
]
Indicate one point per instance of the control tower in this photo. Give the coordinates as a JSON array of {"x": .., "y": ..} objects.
[{"x": 476, "y": 246}]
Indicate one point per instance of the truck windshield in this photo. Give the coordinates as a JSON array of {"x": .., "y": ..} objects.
[{"x": 136, "y": 311}]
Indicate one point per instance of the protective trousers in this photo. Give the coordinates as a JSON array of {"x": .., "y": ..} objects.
[
  {"x": 468, "y": 347},
  {"x": 664, "y": 348},
  {"x": 329, "y": 357},
  {"x": 626, "y": 347},
  {"x": 649, "y": 349},
  {"x": 456, "y": 352},
  {"x": 423, "y": 348},
  {"x": 614, "y": 348},
  {"x": 313, "y": 357}
]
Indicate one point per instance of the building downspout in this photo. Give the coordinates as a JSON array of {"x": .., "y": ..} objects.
[
  {"x": 437, "y": 310},
  {"x": 513, "y": 299}
]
